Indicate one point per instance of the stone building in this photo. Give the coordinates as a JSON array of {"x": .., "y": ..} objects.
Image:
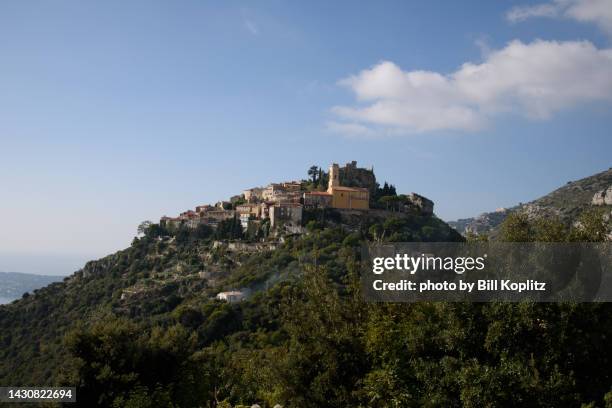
[
  {"x": 170, "y": 222},
  {"x": 353, "y": 198},
  {"x": 246, "y": 211},
  {"x": 317, "y": 199},
  {"x": 223, "y": 205},
  {"x": 285, "y": 191},
  {"x": 353, "y": 176},
  {"x": 187, "y": 214},
  {"x": 190, "y": 219},
  {"x": 337, "y": 195},
  {"x": 290, "y": 213},
  {"x": 253, "y": 195},
  {"x": 203, "y": 208},
  {"x": 264, "y": 209},
  {"x": 213, "y": 218},
  {"x": 207, "y": 215}
]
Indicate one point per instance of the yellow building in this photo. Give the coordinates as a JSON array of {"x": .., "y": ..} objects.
[{"x": 346, "y": 197}]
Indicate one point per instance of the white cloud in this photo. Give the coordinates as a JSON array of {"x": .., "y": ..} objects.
[
  {"x": 523, "y": 13},
  {"x": 349, "y": 129},
  {"x": 534, "y": 80},
  {"x": 598, "y": 12}
]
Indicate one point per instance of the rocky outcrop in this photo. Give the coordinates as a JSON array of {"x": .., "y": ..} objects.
[
  {"x": 484, "y": 223},
  {"x": 424, "y": 204},
  {"x": 98, "y": 267},
  {"x": 603, "y": 197},
  {"x": 353, "y": 176}
]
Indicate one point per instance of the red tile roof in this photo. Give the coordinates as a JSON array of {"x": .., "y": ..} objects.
[{"x": 318, "y": 193}]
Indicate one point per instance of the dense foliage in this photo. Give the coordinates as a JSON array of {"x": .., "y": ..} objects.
[{"x": 304, "y": 337}]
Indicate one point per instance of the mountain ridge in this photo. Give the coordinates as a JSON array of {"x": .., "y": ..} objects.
[{"x": 565, "y": 202}]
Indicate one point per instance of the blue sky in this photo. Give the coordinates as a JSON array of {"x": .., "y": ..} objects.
[{"x": 116, "y": 112}]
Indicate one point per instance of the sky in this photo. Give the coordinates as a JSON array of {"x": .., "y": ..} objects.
[{"x": 115, "y": 112}]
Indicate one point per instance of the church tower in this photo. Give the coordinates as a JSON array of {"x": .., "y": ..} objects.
[{"x": 334, "y": 177}]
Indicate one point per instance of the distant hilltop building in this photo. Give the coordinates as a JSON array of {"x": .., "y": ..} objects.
[
  {"x": 348, "y": 188},
  {"x": 253, "y": 194},
  {"x": 338, "y": 196},
  {"x": 346, "y": 197}
]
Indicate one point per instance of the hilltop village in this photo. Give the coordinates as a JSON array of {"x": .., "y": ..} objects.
[{"x": 348, "y": 189}]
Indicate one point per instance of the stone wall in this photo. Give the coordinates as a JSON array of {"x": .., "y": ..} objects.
[{"x": 353, "y": 176}]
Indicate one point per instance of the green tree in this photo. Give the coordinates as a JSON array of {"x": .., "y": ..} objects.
[
  {"x": 324, "y": 328},
  {"x": 314, "y": 172},
  {"x": 120, "y": 363},
  {"x": 516, "y": 228},
  {"x": 591, "y": 227},
  {"x": 549, "y": 229},
  {"x": 143, "y": 227},
  {"x": 229, "y": 229}
]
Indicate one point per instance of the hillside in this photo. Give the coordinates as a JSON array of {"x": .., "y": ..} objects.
[
  {"x": 246, "y": 245},
  {"x": 155, "y": 324},
  {"x": 164, "y": 276},
  {"x": 566, "y": 202},
  {"x": 13, "y": 284}
]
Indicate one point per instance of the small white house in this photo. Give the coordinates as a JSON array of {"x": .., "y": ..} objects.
[{"x": 231, "y": 297}]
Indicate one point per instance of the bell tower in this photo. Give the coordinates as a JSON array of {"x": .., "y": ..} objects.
[{"x": 334, "y": 177}]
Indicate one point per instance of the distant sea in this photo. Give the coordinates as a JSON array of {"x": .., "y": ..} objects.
[{"x": 13, "y": 285}]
